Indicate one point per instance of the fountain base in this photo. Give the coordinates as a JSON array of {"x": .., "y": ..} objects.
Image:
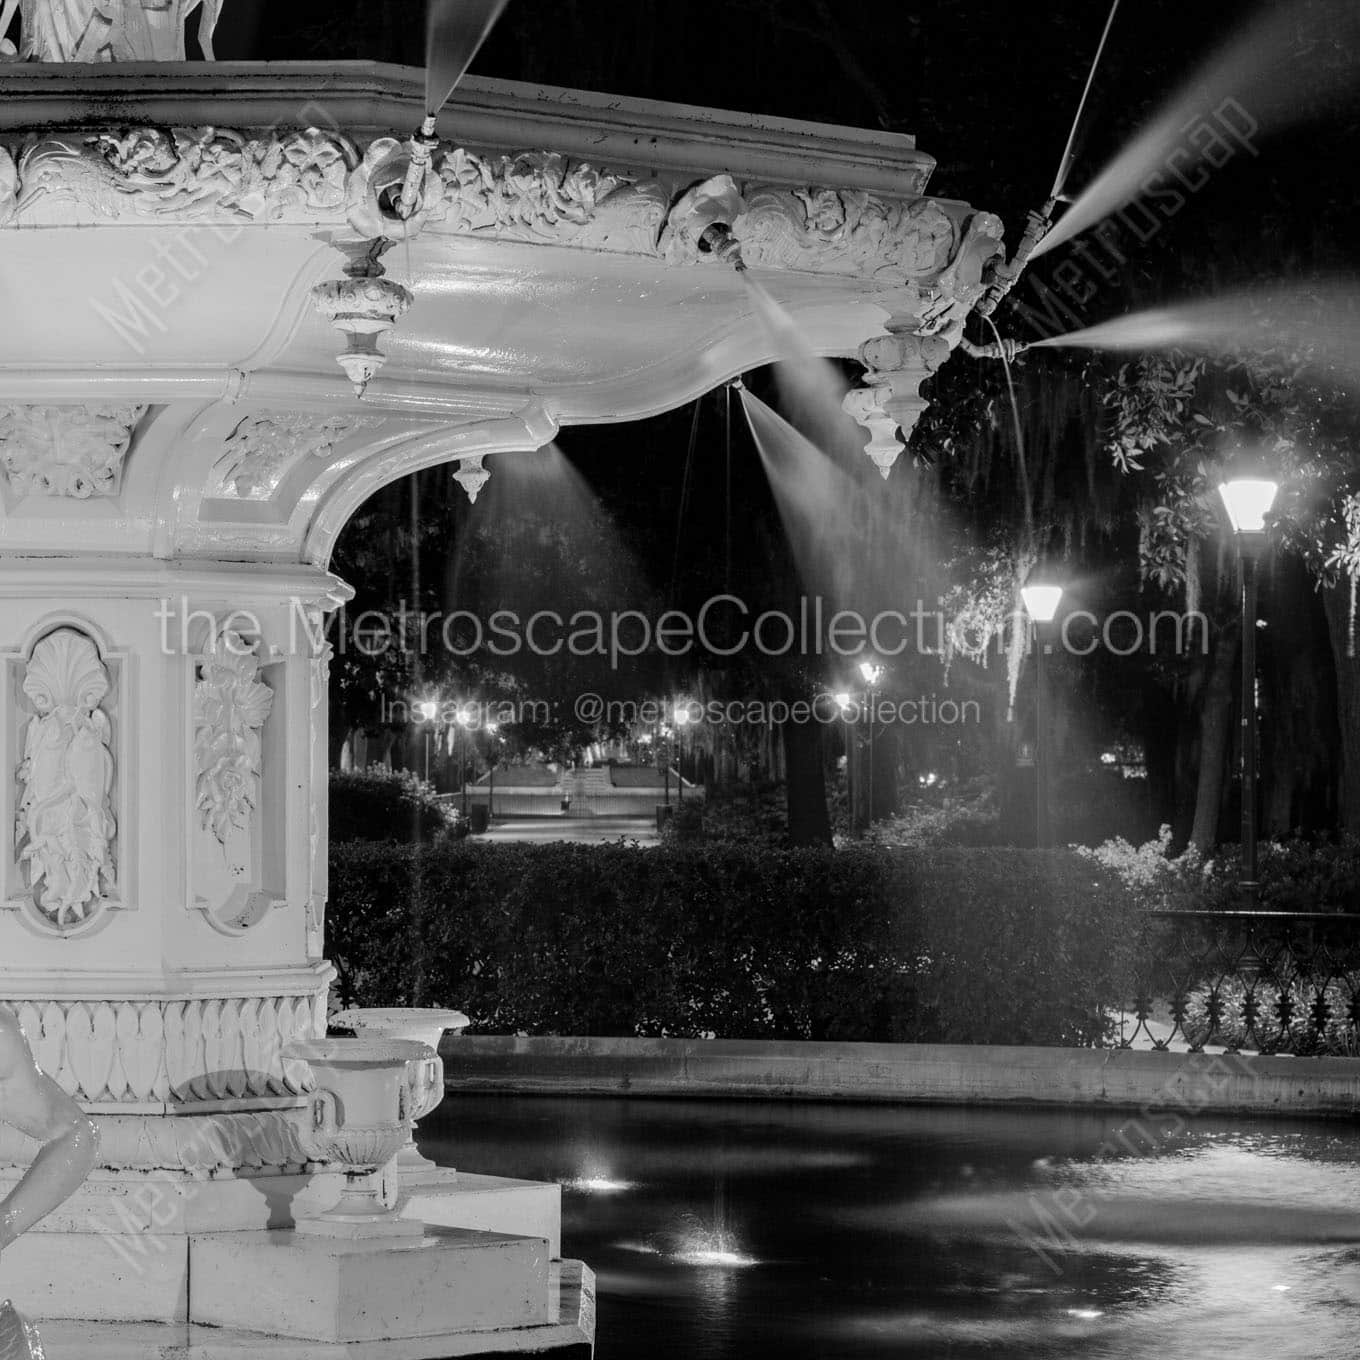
[
  {"x": 443, "y": 1282},
  {"x": 569, "y": 1334}
]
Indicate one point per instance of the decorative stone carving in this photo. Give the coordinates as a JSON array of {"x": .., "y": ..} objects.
[
  {"x": 231, "y": 704},
  {"x": 535, "y": 195},
  {"x": 263, "y": 447},
  {"x": 716, "y": 203},
  {"x": 472, "y": 476},
  {"x": 361, "y": 1120},
  {"x": 74, "y": 451},
  {"x": 9, "y": 186},
  {"x": 897, "y": 363},
  {"x": 192, "y": 174},
  {"x": 322, "y": 177},
  {"x": 18, "y": 1339},
  {"x": 65, "y": 826},
  {"x": 836, "y": 232},
  {"x": 130, "y": 1052},
  {"x": 109, "y": 30},
  {"x": 362, "y": 306},
  {"x": 194, "y": 1146}
]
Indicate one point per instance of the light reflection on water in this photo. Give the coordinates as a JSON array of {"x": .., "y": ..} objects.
[{"x": 837, "y": 1232}]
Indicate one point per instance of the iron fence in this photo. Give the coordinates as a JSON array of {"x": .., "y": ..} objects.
[{"x": 1249, "y": 981}]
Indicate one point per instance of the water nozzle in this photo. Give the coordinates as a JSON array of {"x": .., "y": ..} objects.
[
  {"x": 422, "y": 145},
  {"x": 1005, "y": 274},
  {"x": 1003, "y": 349},
  {"x": 717, "y": 239}
]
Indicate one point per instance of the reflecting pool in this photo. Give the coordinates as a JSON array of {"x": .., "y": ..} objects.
[{"x": 737, "y": 1231}]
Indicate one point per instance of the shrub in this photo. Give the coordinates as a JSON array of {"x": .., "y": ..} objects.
[
  {"x": 736, "y": 941},
  {"x": 379, "y": 804},
  {"x": 972, "y": 819},
  {"x": 1293, "y": 875}
]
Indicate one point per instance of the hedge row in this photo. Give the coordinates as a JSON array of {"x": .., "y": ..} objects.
[{"x": 961, "y": 946}]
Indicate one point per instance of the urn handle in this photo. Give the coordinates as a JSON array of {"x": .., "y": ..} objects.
[{"x": 322, "y": 1125}]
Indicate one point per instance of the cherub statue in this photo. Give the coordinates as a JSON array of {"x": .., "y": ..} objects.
[
  {"x": 105, "y": 30},
  {"x": 33, "y": 1103}
]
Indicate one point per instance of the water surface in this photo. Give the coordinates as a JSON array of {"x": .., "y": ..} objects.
[{"x": 740, "y": 1231}]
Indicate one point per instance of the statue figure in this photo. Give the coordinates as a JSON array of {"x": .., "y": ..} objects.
[
  {"x": 105, "y": 30},
  {"x": 33, "y": 1103}
]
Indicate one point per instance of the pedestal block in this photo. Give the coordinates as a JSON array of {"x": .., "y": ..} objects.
[
  {"x": 463, "y": 1199},
  {"x": 331, "y": 1289}
]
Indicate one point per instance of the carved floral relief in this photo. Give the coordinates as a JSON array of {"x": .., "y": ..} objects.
[
  {"x": 263, "y": 447},
  {"x": 231, "y": 704},
  {"x": 65, "y": 827},
  {"x": 320, "y": 176},
  {"x": 74, "y": 451}
]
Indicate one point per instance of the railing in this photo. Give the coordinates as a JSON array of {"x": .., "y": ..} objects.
[{"x": 1253, "y": 981}]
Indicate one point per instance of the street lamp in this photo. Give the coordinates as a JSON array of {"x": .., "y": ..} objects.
[
  {"x": 1248, "y": 501},
  {"x": 871, "y": 672},
  {"x": 1042, "y": 596},
  {"x": 681, "y": 716},
  {"x": 492, "y": 760},
  {"x": 463, "y": 717},
  {"x": 845, "y": 703},
  {"x": 428, "y": 710}
]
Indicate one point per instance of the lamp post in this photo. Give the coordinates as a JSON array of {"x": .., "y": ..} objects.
[
  {"x": 681, "y": 716},
  {"x": 663, "y": 754},
  {"x": 428, "y": 710},
  {"x": 1248, "y": 501},
  {"x": 846, "y": 705},
  {"x": 872, "y": 673},
  {"x": 492, "y": 760},
  {"x": 1041, "y": 595},
  {"x": 463, "y": 718}
]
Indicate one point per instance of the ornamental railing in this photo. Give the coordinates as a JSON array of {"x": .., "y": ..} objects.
[{"x": 1249, "y": 981}]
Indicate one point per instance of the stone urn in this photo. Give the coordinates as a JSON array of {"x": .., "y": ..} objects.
[
  {"x": 360, "y": 1120},
  {"x": 426, "y": 1025}
]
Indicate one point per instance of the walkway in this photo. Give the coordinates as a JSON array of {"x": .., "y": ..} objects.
[{"x": 580, "y": 830}]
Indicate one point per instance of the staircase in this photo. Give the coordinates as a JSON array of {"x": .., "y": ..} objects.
[{"x": 584, "y": 786}]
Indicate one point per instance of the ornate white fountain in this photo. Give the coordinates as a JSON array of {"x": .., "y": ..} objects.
[{"x": 179, "y": 451}]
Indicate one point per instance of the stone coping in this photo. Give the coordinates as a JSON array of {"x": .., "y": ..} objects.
[
  {"x": 959, "y": 1074},
  {"x": 366, "y": 96}
]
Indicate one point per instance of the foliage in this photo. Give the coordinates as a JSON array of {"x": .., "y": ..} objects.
[
  {"x": 379, "y": 804},
  {"x": 1293, "y": 875},
  {"x": 972, "y": 820},
  {"x": 736, "y": 941}
]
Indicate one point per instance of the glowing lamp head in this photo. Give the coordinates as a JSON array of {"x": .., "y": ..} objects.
[
  {"x": 493, "y": 728},
  {"x": 1248, "y": 501},
  {"x": 871, "y": 671},
  {"x": 464, "y": 717},
  {"x": 427, "y": 709},
  {"x": 681, "y": 715},
  {"x": 842, "y": 702},
  {"x": 1041, "y": 601}
]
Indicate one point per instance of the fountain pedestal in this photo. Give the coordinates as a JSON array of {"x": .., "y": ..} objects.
[{"x": 358, "y": 1271}]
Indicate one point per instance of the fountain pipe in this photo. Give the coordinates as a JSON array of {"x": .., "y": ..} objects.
[
  {"x": 422, "y": 144},
  {"x": 1001, "y": 349},
  {"x": 1005, "y": 274}
]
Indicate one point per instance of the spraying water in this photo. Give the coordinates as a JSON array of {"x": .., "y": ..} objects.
[
  {"x": 1318, "y": 324},
  {"x": 1293, "y": 63},
  {"x": 811, "y": 388},
  {"x": 811, "y": 493},
  {"x": 538, "y": 538},
  {"x": 455, "y": 31}
]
